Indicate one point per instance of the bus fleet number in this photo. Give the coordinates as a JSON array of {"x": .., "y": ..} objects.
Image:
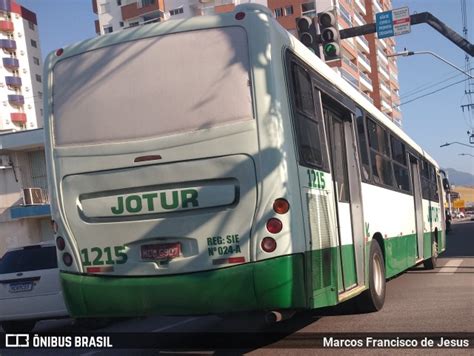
[
  {"x": 119, "y": 257},
  {"x": 316, "y": 179}
]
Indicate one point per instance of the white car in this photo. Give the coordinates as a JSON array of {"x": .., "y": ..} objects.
[{"x": 30, "y": 289}]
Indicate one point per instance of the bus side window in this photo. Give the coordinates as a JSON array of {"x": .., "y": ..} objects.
[
  {"x": 400, "y": 168},
  {"x": 382, "y": 170},
  {"x": 425, "y": 180},
  {"x": 362, "y": 139},
  {"x": 433, "y": 185},
  {"x": 308, "y": 128}
]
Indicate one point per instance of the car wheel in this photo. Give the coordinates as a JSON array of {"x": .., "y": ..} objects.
[{"x": 18, "y": 326}]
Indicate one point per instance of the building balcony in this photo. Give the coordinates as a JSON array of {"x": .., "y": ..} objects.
[
  {"x": 385, "y": 90},
  {"x": 5, "y": 5},
  {"x": 382, "y": 56},
  {"x": 13, "y": 81},
  {"x": 350, "y": 64},
  {"x": 365, "y": 82},
  {"x": 364, "y": 62},
  {"x": 362, "y": 43},
  {"x": 349, "y": 78},
  {"x": 19, "y": 117},
  {"x": 386, "y": 107},
  {"x": 377, "y": 6},
  {"x": 360, "y": 5},
  {"x": 8, "y": 45},
  {"x": 359, "y": 20},
  {"x": 16, "y": 100},
  {"x": 6, "y": 26},
  {"x": 132, "y": 10},
  {"x": 11, "y": 63},
  {"x": 384, "y": 73}
]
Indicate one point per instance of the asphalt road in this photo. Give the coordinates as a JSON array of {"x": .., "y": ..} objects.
[{"x": 437, "y": 301}]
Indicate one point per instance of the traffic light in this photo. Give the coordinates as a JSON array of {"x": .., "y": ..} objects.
[
  {"x": 307, "y": 33},
  {"x": 329, "y": 35}
]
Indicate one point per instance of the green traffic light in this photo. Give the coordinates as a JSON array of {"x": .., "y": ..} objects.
[{"x": 330, "y": 49}]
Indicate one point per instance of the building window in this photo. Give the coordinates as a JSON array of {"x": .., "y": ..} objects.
[
  {"x": 119, "y": 2},
  {"x": 34, "y": 44},
  {"x": 41, "y": 112},
  {"x": 36, "y": 61},
  {"x": 279, "y": 12},
  {"x": 38, "y": 78},
  {"x": 133, "y": 24},
  {"x": 289, "y": 10},
  {"x": 121, "y": 23},
  {"x": 31, "y": 25},
  {"x": 147, "y": 2},
  {"x": 177, "y": 11},
  {"x": 108, "y": 29},
  {"x": 40, "y": 95},
  {"x": 308, "y": 9}
]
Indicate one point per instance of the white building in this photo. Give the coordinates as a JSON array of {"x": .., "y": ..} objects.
[
  {"x": 24, "y": 205},
  {"x": 20, "y": 69}
]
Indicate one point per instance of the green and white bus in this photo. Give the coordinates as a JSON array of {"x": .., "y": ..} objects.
[{"x": 216, "y": 165}]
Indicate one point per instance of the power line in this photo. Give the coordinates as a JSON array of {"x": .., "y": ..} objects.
[{"x": 430, "y": 93}]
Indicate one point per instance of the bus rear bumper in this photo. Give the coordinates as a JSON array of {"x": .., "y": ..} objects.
[{"x": 276, "y": 283}]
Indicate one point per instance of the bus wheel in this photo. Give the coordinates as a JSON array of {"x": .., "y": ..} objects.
[
  {"x": 373, "y": 298},
  {"x": 430, "y": 263}
]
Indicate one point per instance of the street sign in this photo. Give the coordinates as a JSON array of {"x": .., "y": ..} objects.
[
  {"x": 458, "y": 204},
  {"x": 384, "y": 24},
  {"x": 401, "y": 21},
  {"x": 392, "y": 23}
]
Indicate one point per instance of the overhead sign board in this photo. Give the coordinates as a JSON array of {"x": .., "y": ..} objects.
[{"x": 392, "y": 23}]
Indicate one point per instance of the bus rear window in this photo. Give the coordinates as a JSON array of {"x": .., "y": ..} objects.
[{"x": 153, "y": 87}]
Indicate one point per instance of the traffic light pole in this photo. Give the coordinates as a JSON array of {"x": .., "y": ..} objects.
[{"x": 423, "y": 17}]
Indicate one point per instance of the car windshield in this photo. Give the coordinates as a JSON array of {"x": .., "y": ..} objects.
[{"x": 29, "y": 259}]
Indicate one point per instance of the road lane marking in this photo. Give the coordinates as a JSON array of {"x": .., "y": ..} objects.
[
  {"x": 451, "y": 266},
  {"x": 175, "y": 324}
]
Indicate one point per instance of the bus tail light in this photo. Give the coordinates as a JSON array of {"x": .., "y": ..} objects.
[
  {"x": 274, "y": 225},
  {"x": 281, "y": 206},
  {"x": 67, "y": 259},
  {"x": 59, "y": 52},
  {"x": 240, "y": 16},
  {"x": 268, "y": 244},
  {"x": 60, "y": 243}
]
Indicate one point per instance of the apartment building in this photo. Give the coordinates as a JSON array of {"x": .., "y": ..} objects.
[
  {"x": 364, "y": 62},
  {"x": 20, "y": 69}
]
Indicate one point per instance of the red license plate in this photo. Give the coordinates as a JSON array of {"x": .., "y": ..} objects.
[{"x": 161, "y": 251}]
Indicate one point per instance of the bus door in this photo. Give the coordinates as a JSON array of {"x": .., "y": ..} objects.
[
  {"x": 417, "y": 196},
  {"x": 347, "y": 188}
]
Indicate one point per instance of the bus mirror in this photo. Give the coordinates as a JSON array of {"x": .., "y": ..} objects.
[{"x": 446, "y": 184}]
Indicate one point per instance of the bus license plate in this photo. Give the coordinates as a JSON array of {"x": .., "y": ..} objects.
[
  {"x": 161, "y": 251},
  {"x": 21, "y": 287}
]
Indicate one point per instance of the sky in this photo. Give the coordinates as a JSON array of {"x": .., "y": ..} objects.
[{"x": 431, "y": 121}]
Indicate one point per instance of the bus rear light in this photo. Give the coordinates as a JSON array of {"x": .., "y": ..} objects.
[
  {"x": 274, "y": 225},
  {"x": 281, "y": 206},
  {"x": 54, "y": 226},
  {"x": 60, "y": 243},
  {"x": 240, "y": 16},
  {"x": 269, "y": 244},
  {"x": 67, "y": 259},
  {"x": 59, "y": 52}
]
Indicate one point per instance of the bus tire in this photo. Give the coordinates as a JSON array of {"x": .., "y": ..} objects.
[
  {"x": 430, "y": 263},
  {"x": 373, "y": 298}
]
